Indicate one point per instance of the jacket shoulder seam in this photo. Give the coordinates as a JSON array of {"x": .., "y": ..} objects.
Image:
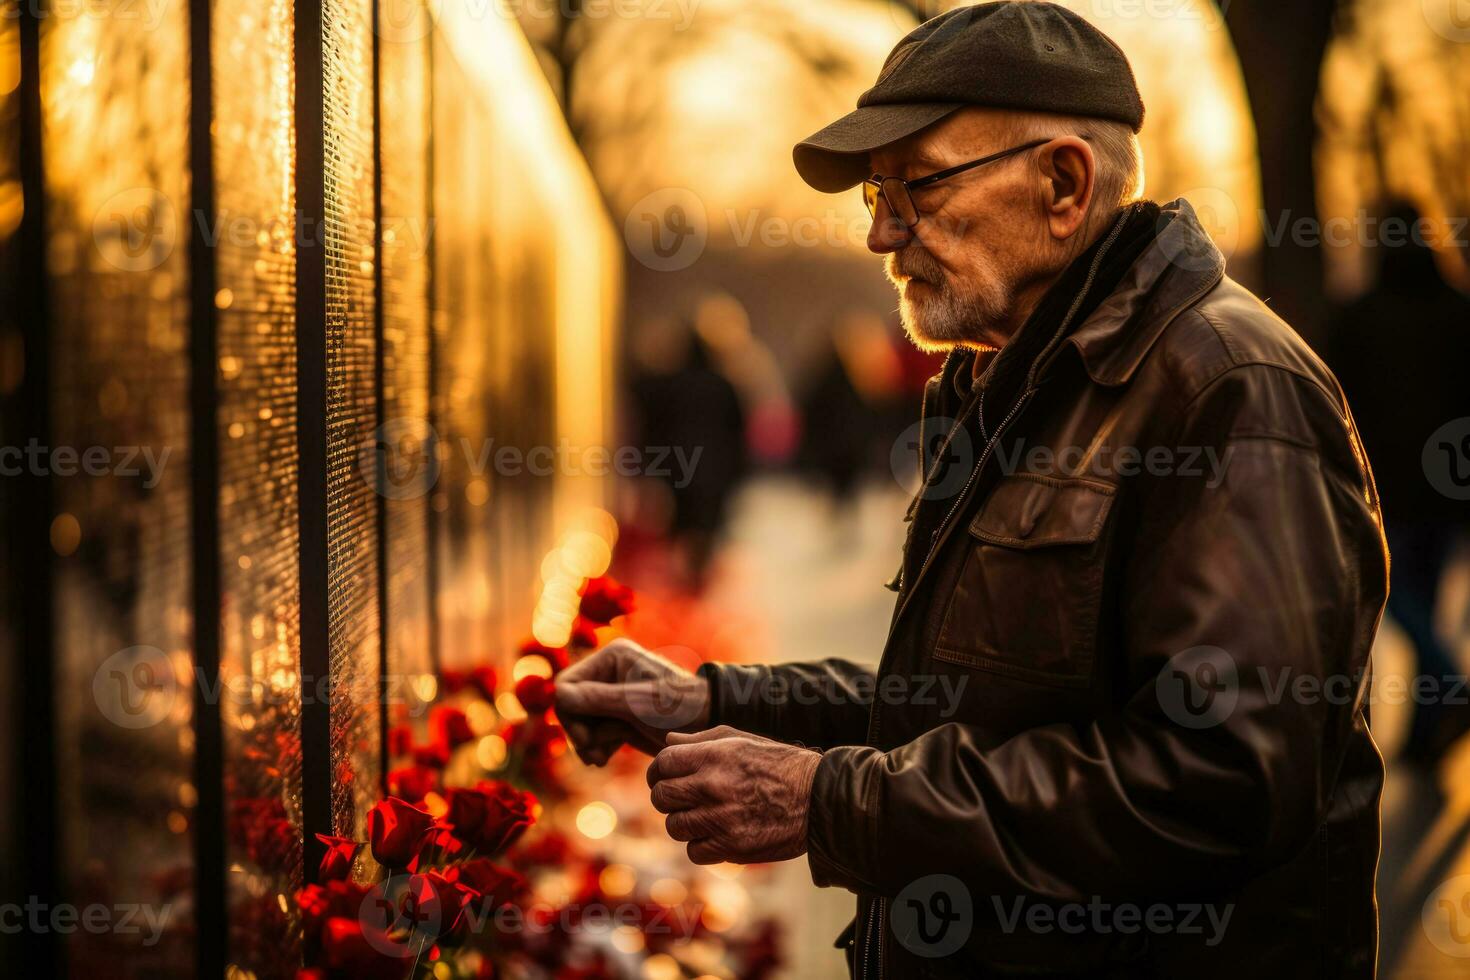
[
  {"x": 1176, "y": 382},
  {"x": 1240, "y": 359},
  {"x": 1258, "y": 435},
  {"x": 1266, "y": 363}
]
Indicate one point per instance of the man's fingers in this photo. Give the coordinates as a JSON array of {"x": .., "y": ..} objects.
[
  {"x": 599, "y": 666},
  {"x": 596, "y": 739},
  {"x": 706, "y": 852},
  {"x": 590, "y": 698},
  {"x": 671, "y": 795},
  {"x": 685, "y": 753},
  {"x": 719, "y": 731},
  {"x": 597, "y": 751},
  {"x": 606, "y": 738},
  {"x": 675, "y": 761},
  {"x": 578, "y": 731},
  {"x": 699, "y": 824}
]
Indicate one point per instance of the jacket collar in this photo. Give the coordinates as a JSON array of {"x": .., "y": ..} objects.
[{"x": 1176, "y": 268}]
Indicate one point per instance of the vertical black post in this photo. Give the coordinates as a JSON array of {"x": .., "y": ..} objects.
[
  {"x": 311, "y": 433},
  {"x": 379, "y": 366},
  {"x": 209, "y": 820},
  {"x": 30, "y": 555}
]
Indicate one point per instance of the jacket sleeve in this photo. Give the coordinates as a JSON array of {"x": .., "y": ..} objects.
[
  {"x": 1274, "y": 572},
  {"x": 821, "y": 704}
]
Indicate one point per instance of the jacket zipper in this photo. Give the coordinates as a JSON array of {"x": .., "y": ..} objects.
[
  {"x": 874, "y": 934},
  {"x": 873, "y": 937}
]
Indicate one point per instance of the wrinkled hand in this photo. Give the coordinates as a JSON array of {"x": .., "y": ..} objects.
[
  {"x": 734, "y": 796},
  {"x": 623, "y": 694}
]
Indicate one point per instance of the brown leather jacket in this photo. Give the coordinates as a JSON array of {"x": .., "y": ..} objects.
[{"x": 1120, "y": 723}]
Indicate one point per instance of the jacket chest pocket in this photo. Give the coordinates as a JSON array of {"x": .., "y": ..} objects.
[{"x": 1028, "y": 597}]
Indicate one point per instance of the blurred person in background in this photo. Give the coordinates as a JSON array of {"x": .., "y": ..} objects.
[
  {"x": 771, "y": 422},
  {"x": 1149, "y": 520},
  {"x": 845, "y": 408},
  {"x": 1401, "y": 351},
  {"x": 682, "y": 402}
]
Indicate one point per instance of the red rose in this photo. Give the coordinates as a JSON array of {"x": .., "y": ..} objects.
[
  {"x": 358, "y": 952},
  {"x": 441, "y": 900},
  {"x": 468, "y": 811},
  {"x": 510, "y": 814},
  {"x": 400, "y": 740},
  {"x": 337, "y": 862},
  {"x": 536, "y": 694},
  {"x": 496, "y": 885},
  {"x": 335, "y": 899},
  {"x": 450, "y": 726},
  {"x": 397, "y": 831},
  {"x": 489, "y": 817},
  {"x": 485, "y": 680},
  {"x": 584, "y": 634},
  {"x": 452, "y": 681},
  {"x": 540, "y": 745},
  {"x": 313, "y": 903},
  {"x": 605, "y": 598},
  {"x": 412, "y": 783},
  {"x": 440, "y": 846},
  {"x": 269, "y": 838}
]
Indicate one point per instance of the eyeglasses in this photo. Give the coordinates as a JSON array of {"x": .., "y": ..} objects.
[{"x": 898, "y": 192}]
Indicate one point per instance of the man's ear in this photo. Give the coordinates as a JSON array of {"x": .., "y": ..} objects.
[{"x": 1068, "y": 178}]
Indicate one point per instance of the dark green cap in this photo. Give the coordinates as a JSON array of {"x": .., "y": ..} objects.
[{"x": 1016, "y": 54}]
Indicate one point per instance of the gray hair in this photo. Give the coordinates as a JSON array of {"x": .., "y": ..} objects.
[{"x": 1114, "y": 145}]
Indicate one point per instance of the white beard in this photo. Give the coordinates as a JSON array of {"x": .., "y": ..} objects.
[
  {"x": 935, "y": 316},
  {"x": 942, "y": 319}
]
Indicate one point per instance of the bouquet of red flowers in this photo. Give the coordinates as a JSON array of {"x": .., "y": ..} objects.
[{"x": 453, "y": 893}]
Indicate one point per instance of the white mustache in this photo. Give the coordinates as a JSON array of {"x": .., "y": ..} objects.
[{"x": 915, "y": 265}]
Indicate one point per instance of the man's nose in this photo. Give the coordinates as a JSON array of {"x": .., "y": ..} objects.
[{"x": 888, "y": 233}]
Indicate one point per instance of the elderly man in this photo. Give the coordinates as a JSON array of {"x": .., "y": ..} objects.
[{"x": 1119, "y": 726}]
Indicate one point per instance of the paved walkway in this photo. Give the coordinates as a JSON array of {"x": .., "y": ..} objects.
[{"x": 816, "y": 574}]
